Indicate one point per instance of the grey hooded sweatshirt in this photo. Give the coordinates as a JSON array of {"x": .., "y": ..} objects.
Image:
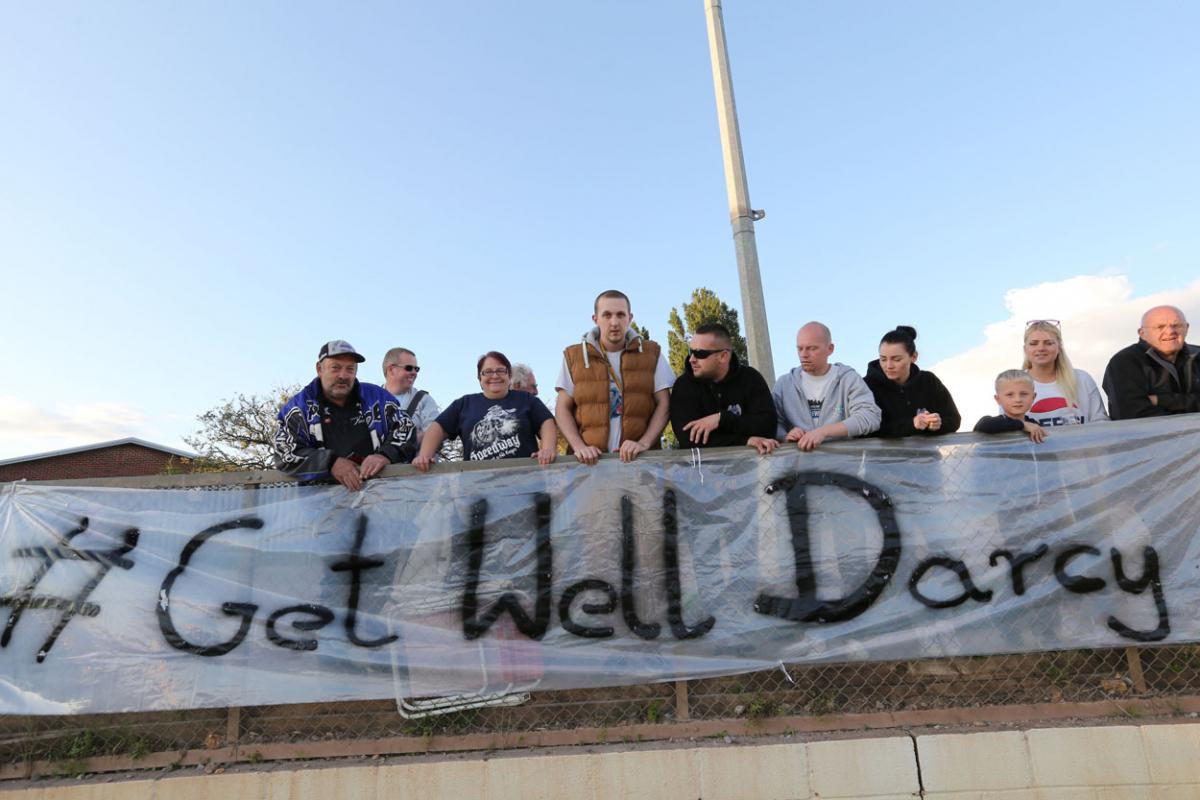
[{"x": 848, "y": 401}]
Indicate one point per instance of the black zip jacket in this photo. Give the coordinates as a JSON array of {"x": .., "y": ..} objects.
[
  {"x": 899, "y": 402},
  {"x": 1002, "y": 423},
  {"x": 743, "y": 398},
  {"x": 1138, "y": 371}
]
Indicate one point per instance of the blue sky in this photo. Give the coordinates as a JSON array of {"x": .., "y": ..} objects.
[{"x": 194, "y": 197}]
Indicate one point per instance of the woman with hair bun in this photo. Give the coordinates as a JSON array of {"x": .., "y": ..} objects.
[
  {"x": 913, "y": 402},
  {"x": 1065, "y": 395}
]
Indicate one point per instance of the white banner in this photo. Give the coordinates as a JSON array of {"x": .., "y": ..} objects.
[{"x": 571, "y": 576}]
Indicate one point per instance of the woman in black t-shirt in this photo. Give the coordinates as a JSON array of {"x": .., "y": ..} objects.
[{"x": 495, "y": 423}]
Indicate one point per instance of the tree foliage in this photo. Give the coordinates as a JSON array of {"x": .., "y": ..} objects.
[
  {"x": 704, "y": 307},
  {"x": 238, "y": 433}
]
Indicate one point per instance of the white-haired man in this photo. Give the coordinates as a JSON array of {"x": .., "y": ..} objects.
[{"x": 1158, "y": 375}]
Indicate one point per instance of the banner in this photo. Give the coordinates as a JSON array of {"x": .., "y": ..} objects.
[{"x": 682, "y": 564}]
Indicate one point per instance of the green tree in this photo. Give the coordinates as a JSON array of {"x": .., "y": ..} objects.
[
  {"x": 704, "y": 307},
  {"x": 238, "y": 433}
]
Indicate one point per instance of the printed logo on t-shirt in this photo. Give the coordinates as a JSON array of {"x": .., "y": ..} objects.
[
  {"x": 497, "y": 435},
  {"x": 616, "y": 404},
  {"x": 1049, "y": 404},
  {"x": 735, "y": 409},
  {"x": 814, "y": 409}
]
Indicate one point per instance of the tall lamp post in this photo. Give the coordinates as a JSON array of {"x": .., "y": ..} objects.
[{"x": 742, "y": 216}]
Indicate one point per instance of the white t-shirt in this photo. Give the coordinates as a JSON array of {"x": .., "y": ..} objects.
[
  {"x": 815, "y": 388},
  {"x": 1052, "y": 409},
  {"x": 664, "y": 378}
]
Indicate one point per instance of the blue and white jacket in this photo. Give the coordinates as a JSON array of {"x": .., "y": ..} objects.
[{"x": 300, "y": 447}]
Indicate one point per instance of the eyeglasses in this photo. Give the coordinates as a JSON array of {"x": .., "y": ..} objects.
[
  {"x": 1032, "y": 322},
  {"x": 498, "y": 372},
  {"x": 406, "y": 367},
  {"x": 700, "y": 355}
]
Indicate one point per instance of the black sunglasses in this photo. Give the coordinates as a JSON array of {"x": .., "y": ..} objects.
[
  {"x": 408, "y": 367},
  {"x": 700, "y": 355}
]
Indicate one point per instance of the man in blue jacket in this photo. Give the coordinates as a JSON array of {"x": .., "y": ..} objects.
[{"x": 340, "y": 428}]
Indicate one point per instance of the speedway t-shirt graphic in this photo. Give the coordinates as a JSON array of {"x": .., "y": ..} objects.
[{"x": 494, "y": 429}]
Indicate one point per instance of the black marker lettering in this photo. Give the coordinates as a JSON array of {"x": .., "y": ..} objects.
[
  {"x": 1150, "y": 577},
  {"x": 806, "y": 607},
  {"x": 322, "y": 617},
  {"x": 970, "y": 590},
  {"x": 355, "y": 564},
  {"x": 243, "y": 610},
  {"x": 1018, "y": 563},
  {"x": 475, "y": 626},
  {"x": 568, "y": 597},
  {"x": 1079, "y": 584}
]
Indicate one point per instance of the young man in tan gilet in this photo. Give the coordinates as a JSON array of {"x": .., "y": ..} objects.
[{"x": 614, "y": 386}]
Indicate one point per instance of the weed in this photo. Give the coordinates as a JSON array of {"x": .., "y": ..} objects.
[{"x": 654, "y": 711}]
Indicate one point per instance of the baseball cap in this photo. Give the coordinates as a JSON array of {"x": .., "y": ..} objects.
[{"x": 338, "y": 347}]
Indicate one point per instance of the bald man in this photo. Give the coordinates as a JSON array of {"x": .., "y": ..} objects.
[
  {"x": 819, "y": 400},
  {"x": 1158, "y": 375}
]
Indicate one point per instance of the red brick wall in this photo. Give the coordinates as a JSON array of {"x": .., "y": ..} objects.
[{"x": 107, "y": 462}]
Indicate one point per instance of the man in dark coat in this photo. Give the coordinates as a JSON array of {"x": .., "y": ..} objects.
[
  {"x": 718, "y": 402},
  {"x": 1157, "y": 376}
]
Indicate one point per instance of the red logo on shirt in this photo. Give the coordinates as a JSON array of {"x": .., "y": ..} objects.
[{"x": 1049, "y": 404}]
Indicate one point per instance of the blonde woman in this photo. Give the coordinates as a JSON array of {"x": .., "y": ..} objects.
[{"x": 1065, "y": 395}]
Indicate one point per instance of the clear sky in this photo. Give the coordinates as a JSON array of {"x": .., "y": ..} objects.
[{"x": 193, "y": 197}]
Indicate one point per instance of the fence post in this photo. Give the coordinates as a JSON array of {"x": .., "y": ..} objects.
[
  {"x": 682, "y": 712},
  {"x": 233, "y": 728},
  {"x": 1134, "y": 659}
]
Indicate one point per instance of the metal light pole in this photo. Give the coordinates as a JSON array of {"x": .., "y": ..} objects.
[{"x": 742, "y": 217}]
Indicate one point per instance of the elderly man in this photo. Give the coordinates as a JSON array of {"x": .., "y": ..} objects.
[
  {"x": 818, "y": 400},
  {"x": 614, "y": 387},
  {"x": 523, "y": 379},
  {"x": 399, "y": 374},
  {"x": 718, "y": 402},
  {"x": 339, "y": 427},
  {"x": 1158, "y": 375}
]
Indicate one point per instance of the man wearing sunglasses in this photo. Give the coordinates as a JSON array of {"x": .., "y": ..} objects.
[
  {"x": 1160, "y": 374},
  {"x": 718, "y": 401},
  {"x": 399, "y": 374}
]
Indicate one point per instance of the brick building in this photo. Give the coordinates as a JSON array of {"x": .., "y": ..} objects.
[{"x": 119, "y": 457}]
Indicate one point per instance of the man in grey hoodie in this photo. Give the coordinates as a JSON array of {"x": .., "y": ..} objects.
[{"x": 818, "y": 400}]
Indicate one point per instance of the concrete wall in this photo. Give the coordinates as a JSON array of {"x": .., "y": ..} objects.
[{"x": 1126, "y": 762}]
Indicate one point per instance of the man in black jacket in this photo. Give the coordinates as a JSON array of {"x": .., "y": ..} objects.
[
  {"x": 1158, "y": 375},
  {"x": 717, "y": 402}
]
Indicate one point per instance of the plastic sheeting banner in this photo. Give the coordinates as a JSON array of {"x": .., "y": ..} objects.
[{"x": 570, "y": 576}]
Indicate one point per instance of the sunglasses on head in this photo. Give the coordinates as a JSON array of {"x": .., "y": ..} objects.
[
  {"x": 700, "y": 355},
  {"x": 1054, "y": 322}
]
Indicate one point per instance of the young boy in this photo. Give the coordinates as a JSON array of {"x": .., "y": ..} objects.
[{"x": 1015, "y": 394}]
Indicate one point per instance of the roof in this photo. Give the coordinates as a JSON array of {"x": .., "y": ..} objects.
[{"x": 100, "y": 446}]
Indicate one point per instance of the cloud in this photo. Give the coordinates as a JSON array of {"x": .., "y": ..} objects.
[
  {"x": 26, "y": 428},
  {"x": 1100, "y": 314}
]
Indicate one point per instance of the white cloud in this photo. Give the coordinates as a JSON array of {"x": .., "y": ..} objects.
[
  {"x": 1099, "y": 315},
  {"x": 26, "y": 428}
]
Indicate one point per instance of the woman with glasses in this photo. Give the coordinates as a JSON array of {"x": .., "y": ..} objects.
[
  {"x": 1064, "y": 395},
  {"x": 495, "y": 423},
  {"x": 913, "y": 402}
]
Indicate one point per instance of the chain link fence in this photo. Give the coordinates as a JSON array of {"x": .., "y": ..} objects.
[{"x": 836, "y": 695}]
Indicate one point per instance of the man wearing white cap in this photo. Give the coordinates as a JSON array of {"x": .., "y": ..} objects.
[{"x": 340, "y": 428}]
